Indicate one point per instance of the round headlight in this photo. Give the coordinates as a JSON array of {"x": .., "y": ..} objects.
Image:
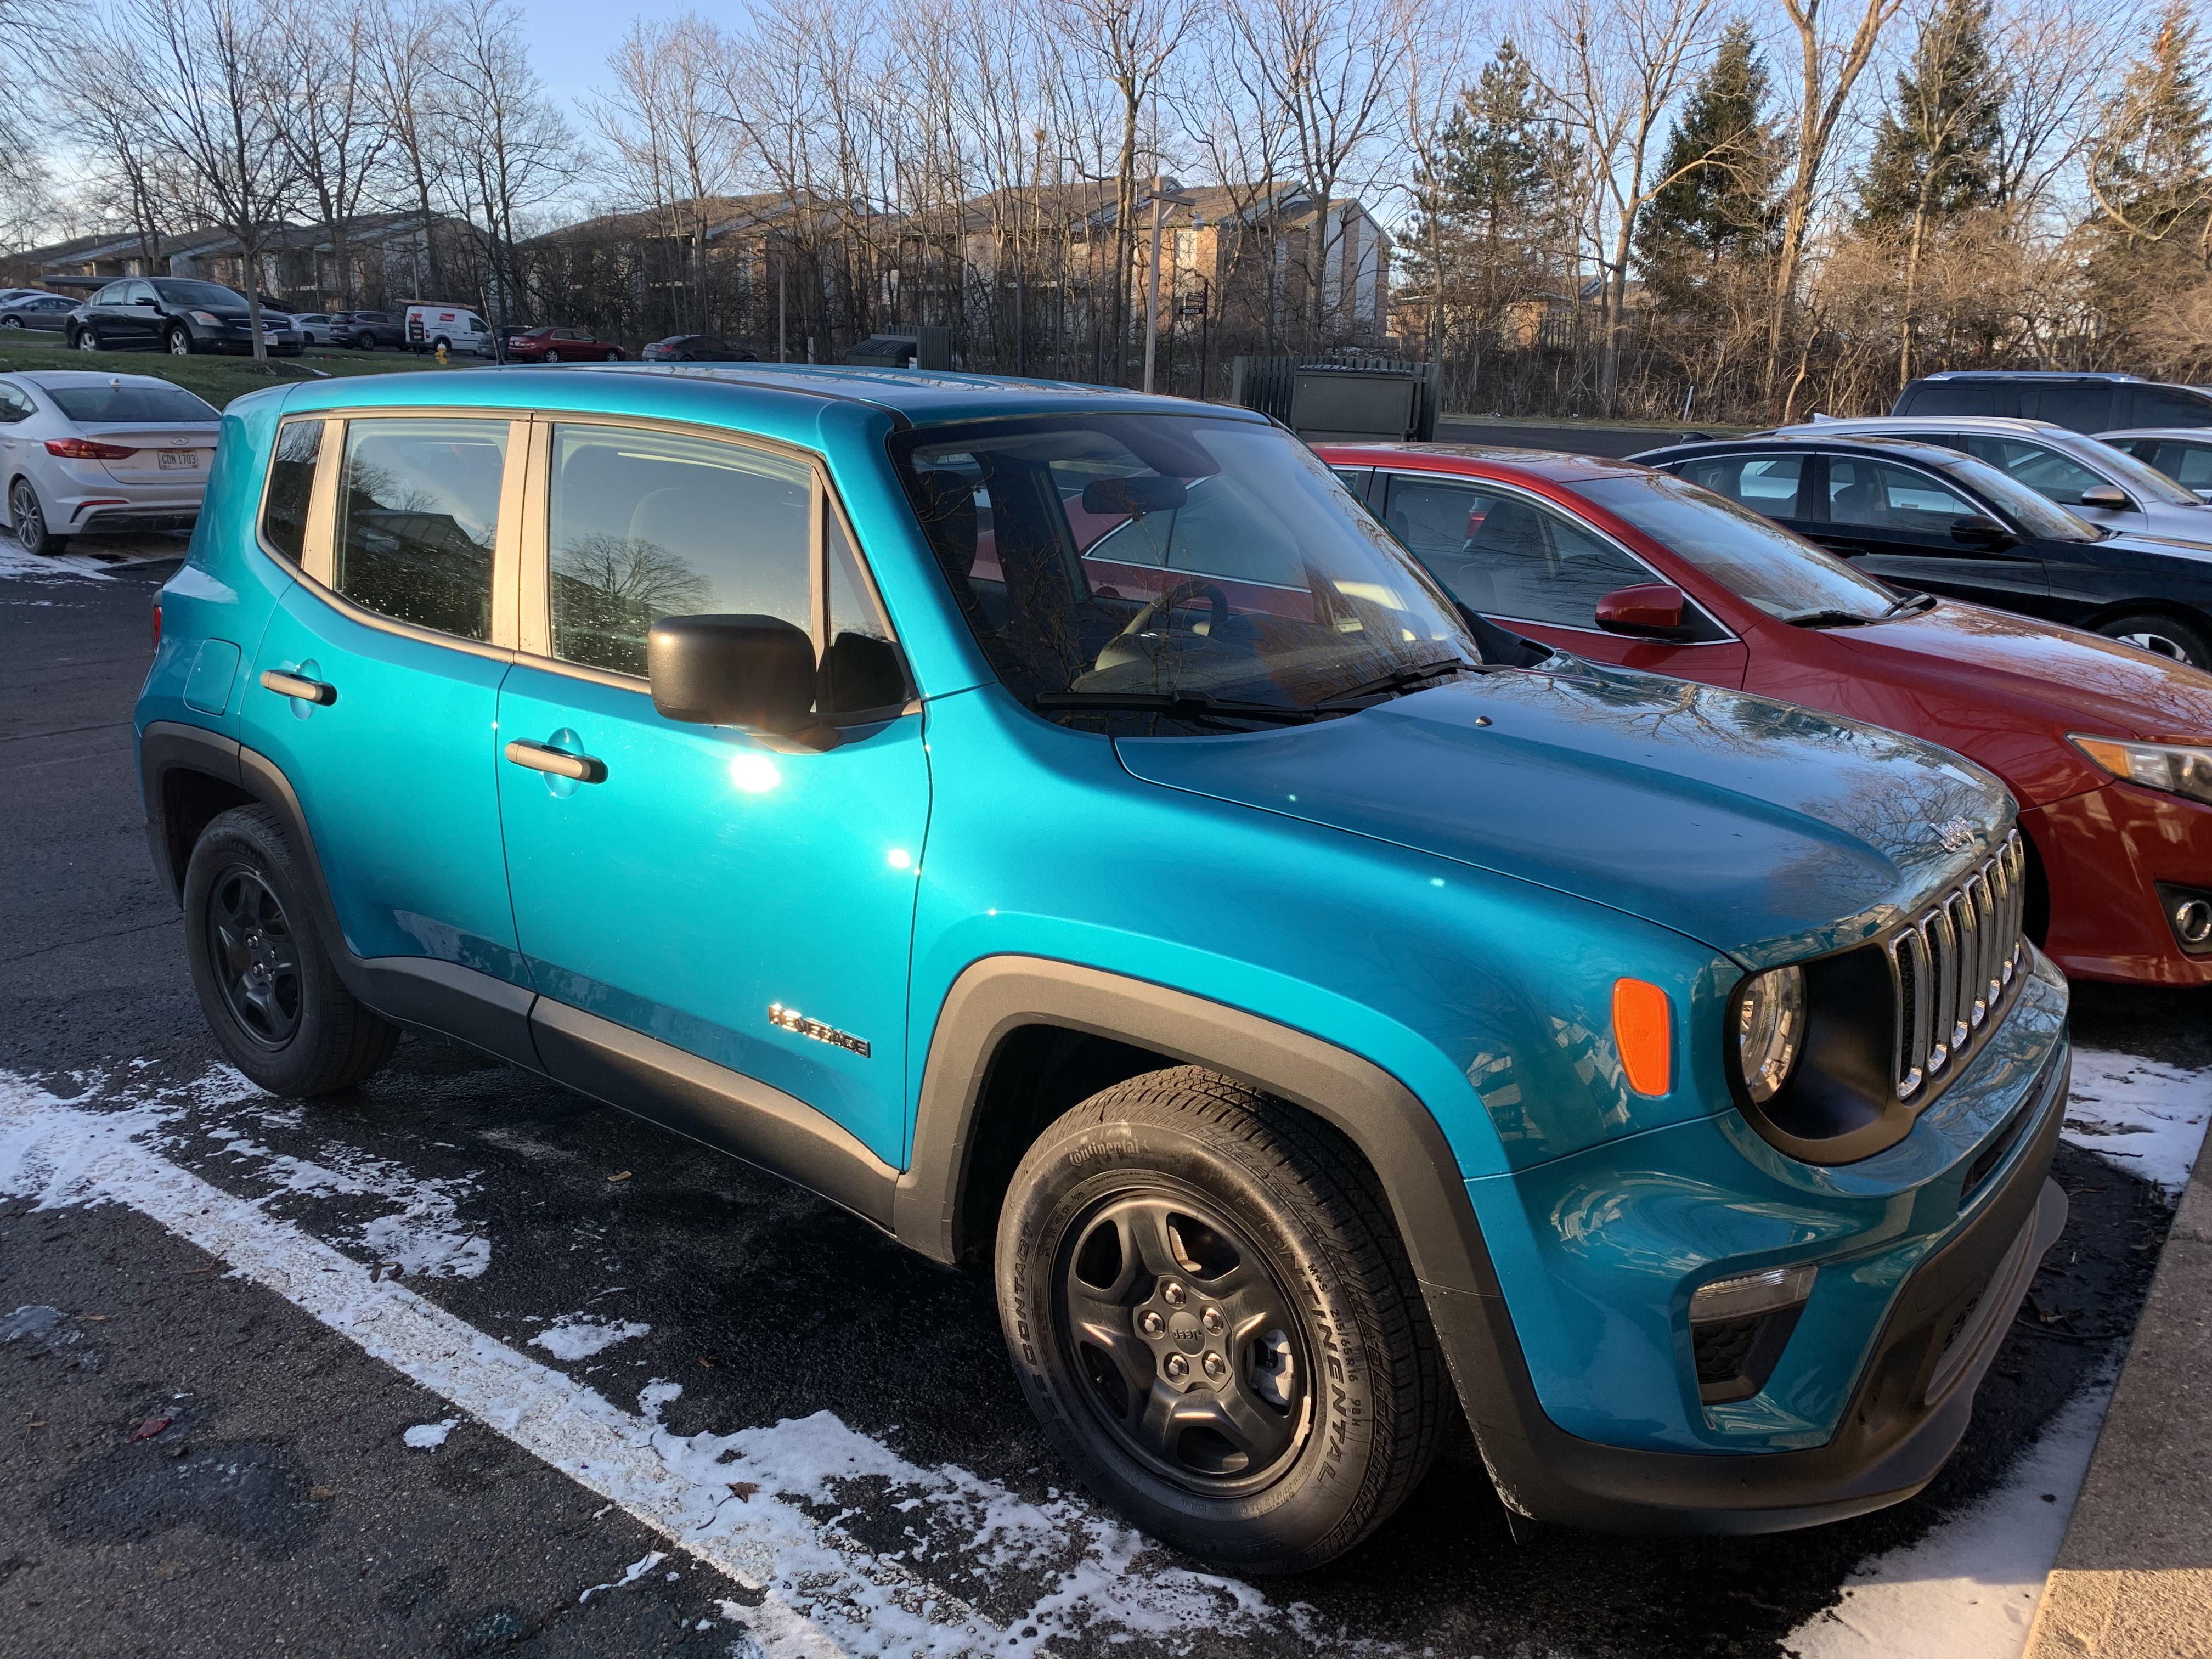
[{"x": 1770, "y": 1028}]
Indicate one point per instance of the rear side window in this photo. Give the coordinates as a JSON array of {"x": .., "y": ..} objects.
[
  {"x": 2085, "y": 405},
  {"x": 418, "y": 514},
  {"x": 1948, "y": 397},
  {"x": 2189, "y": 463},
  {"x": 291, "y": 482},
  {"x": 15, "y": 406},
  {"x": 1765, "y": 484},
  {"x": 2168, "y": 405},
  {"x": 647, "y": 525}
]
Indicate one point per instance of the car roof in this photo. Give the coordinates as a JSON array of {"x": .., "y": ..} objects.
[
  {"x": 57, "y": 379},
  {"x": 1950, "y": 422},
  {"x": 1560, "y": 466},
  {"x": 2036, "y": 375},
  {"x": 2202, "y": 434},
  {"x": 915, "y": 397},
  {"x": 1859, "y": 443}
]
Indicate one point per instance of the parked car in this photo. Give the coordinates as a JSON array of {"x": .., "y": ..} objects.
[
  {"x": 1610, "y": 561},
  {"x": 431, "y": 326},
  {"x": 47, "y": 311},
  {"x": 697, "y": 348},
  {"x": 1296, "y": 1011},
  {"x": 1922, "y": 517},
  {"x": 85, "y": 453},
  {"x": 367, "y": 329},
  {"x": 2084, "y": 403},
  {"x": 314, "y": 327},
  {"x": 561, "y": 345},
  {"x": 2100, "y": 483},
  {"x": 2182, "y": 453},
  {"x": 176, "y": 314}
]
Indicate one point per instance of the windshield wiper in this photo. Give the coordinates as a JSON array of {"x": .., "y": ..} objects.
[
  {"x": 1830, "y": 619},
  {"x": 1182, "y": 705},
  {"x": 1916, "y": 601},
  {"x": 1409, "y": 678}
]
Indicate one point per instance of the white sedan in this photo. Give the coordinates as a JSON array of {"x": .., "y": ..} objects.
[{"x": 84, "y": 453}]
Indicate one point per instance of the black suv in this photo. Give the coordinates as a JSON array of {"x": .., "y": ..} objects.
[
  {"x": 1925, "y": 518},
  {"x": 176, "y": 314},
  {"x": 2086, "y": 403}
]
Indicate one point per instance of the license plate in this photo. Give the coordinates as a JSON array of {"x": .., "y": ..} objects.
[{"x": 178, "y": 461}]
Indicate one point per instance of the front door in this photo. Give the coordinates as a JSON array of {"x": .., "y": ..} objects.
[
  {"x": 393, "y": 637},
  {"x": 1534, "y": 569},
  {"x": 751, "y": 904},
  {"x": 1901, "y": 525},
  {"x": 136, "y": 321}
]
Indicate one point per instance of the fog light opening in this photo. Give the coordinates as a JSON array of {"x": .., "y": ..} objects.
[
  {"x": 1739, "y": 1326},
  {"x": 2192, "y": 921}
]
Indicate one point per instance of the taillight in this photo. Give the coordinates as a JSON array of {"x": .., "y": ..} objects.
[
  {"x": 157, "y": 624},
  {"x": 83, "y": 449}
]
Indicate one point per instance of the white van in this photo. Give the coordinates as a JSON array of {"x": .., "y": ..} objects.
[{"x": 431, "y": 324}]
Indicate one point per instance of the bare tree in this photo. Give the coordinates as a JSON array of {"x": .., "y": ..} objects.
[
  {"x": 99, "y": 84},
  {"x": 210, "y": 112},
  {"x": 402, "y": 98},
  {"x": 323, "y": 73}
]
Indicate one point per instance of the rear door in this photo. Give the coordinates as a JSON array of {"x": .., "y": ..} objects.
[
  {"x": 1539, "y": 572},
  {"x": 1898, "y": 523}
]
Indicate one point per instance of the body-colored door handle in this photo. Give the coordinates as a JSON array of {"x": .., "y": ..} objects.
[
  {"x": 542, "y": 757},
  {"x": 295, "y": 685}
]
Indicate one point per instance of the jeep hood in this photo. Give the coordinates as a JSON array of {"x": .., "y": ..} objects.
[{"x": 1766, "y": 830}]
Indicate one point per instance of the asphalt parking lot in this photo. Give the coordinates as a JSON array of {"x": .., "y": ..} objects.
[{"x": 451, "y": 1363}]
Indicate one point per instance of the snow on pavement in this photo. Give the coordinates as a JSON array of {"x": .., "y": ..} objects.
[
  {"x": 579, "y": 1336},
  {"x": 2143, "y": 1116}
]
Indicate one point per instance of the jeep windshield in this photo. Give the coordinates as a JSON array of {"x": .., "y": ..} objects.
[{"x": 1172, "y": 571}]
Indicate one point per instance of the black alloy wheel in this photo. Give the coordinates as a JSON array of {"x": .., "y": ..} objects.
[
  {"x": 1190, "y": 1353},
  {"x": 255, "y": 955},
  {"x": 27, "y": 521}
]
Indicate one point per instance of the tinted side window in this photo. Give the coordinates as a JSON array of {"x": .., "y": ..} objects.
[
  {"x": 2041, "y": 468},
  {"x": 417, "y": 517},
  {"x": 15, "y": 406},
  {"x": 112, "y": 294},
  {"x": 1502, "y": 554},
  {"x": 2167, "y": 405},
  {"x": 1948, "y": 397},
  {"x": 291, "y": 481},
  {"x": 1764, "y": 483},
  {"x": 2085, "y": 405},
  {"x": 1876, "y": 495},
  {"x": 2185, "y": 463},
  {"x": 647, "y": 525}
]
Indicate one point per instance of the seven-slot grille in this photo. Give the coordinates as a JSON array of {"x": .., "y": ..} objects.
[{"x": 1955, "y": 966}]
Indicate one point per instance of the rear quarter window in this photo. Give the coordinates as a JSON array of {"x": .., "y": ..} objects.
[{"x": 291, "y": 482}]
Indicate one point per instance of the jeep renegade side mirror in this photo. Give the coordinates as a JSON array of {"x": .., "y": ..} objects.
[
  {"x": 753, "y": 673},
  {"x": 1650, "y": 610},
  {"x": 2108, "y": 496},
  {"x": 1973, "y": 530}
]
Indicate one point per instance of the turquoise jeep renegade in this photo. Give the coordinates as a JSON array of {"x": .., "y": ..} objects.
[{"x": 1062, "y": 828}]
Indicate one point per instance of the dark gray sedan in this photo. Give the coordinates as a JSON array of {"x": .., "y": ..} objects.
[{"x": 43, "y": 311}]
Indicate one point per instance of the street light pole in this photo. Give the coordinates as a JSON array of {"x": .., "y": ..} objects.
[{"x": 1161, "y": 198}]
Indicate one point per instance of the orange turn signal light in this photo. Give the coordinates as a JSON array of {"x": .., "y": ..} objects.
[{"x": 1642, "y": 1029}]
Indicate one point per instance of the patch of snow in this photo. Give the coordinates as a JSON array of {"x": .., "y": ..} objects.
[
  {"x": 579, "y": 1336},
  {"x": 2141, "y": 1115},
  {"x": 423, "y": 1436},
  {"x": 1969, "y": 1588},
  {"x": 631, "y": 1574},
  {"x": 16, "y": 565}
]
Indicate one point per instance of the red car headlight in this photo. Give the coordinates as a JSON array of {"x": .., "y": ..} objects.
[{"x": 2174, "y": 768}]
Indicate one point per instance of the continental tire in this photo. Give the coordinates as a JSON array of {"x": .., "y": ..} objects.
[
  {"x": 1211, "y": 1316},
  {"x": 265, "y": 982}
]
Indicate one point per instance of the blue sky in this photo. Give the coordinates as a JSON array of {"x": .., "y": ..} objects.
[{"x": 569, "y": 39}]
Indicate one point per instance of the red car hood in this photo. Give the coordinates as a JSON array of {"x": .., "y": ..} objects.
[{"x": 2081, "y": 681}]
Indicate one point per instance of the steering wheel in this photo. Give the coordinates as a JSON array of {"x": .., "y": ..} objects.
[{"x": 1216, "y": 626}]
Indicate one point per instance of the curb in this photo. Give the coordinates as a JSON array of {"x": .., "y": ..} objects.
[{"x": 2133, "y": 1579}]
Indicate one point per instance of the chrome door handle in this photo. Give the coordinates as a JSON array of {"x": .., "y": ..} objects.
[
  {"x": 295, "y": 685},
  {"x": 543, "y": 757}
]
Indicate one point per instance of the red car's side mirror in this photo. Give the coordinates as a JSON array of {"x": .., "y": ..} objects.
[{"x": 1651, "y": 609}]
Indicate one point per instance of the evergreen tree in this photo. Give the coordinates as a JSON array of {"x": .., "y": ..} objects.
[
  {"x": 2148, "y": 167},
  {"x": 1724, "y": 166},
  {"x": 1934, "y": 153}
]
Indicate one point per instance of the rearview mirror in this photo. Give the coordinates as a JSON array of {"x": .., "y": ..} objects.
[
  {"x": 753, "y": 673},
  {"x": 1973, "y": 530},
  {"x": 1133, "y": 497},
  {"x": 2108, "y": 496},
  {"x": 1649, "y": 610}
]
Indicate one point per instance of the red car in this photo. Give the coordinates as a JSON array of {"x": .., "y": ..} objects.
[
  {"x": 561, "y": 345},
  {"x": 2107, "y": 749}
]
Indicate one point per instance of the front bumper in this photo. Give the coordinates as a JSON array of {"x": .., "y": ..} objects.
[
  {"x": 1891, "y": 1361},
  {"x": 2103, "y": 854}
]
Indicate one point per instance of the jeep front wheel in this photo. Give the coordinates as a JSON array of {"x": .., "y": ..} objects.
[
  {"x": 267, "y": 987},
  {"x": 1213, "y": 1318}
]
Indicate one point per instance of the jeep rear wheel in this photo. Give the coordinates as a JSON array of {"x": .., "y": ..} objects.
[
  {"x": 264, "y": 981},
  {"x": 1212, "y": 1317}
]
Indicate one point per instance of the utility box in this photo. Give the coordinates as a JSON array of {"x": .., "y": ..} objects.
[
  {"x": 926, "y": 345},
  {"x": 1343, "y": 399}
]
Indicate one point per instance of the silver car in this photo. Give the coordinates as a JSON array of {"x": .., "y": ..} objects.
[
  {"x": 24, "y": 310},
  {"x": 2105, "y": 485},
  {"x": 2184, "y": 453},
  {"x": 86, "y": 453}
]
